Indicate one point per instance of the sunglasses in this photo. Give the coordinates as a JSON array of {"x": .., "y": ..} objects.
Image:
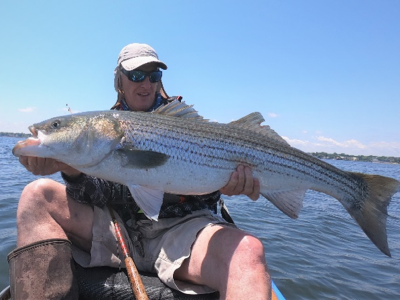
[{"x": 139, "y": 76}]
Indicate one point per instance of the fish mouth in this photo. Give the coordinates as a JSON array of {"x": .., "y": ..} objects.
[
  {"x": 33, "y": 130},
  {"x": 21, "y": 146}
]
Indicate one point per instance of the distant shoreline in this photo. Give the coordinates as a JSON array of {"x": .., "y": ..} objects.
[
  {"x": 320, "y": 155},
  {"x": 368, "y": 158},
  {"x": 14, "y": 134}
]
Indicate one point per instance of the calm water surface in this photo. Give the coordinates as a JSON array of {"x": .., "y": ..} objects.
[{"x": 321, "y": 255}]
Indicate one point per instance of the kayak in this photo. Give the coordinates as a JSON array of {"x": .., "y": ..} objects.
[
  {"x": 109, "y": 283},
  {"x": 276, "y": 293}
]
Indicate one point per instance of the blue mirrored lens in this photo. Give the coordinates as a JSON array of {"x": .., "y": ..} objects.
[
  {"x": 139, "y": 76},
  {"x": 155, "y": 76}
]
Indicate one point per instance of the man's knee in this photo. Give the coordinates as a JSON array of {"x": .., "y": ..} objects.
[
  {"x": 251, "y": 251},
  {"x": 37, "y": 196},
  {"x": 41, "y": 189}
]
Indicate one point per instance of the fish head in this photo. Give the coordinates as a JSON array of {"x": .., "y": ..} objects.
[{"x": 78, "y": 140}]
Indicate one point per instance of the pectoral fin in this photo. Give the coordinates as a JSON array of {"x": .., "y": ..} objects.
[
  {"x": 141, "y": 159},
  {"x": 148, "y": 199},
  {"x": 289, "y": 202}
]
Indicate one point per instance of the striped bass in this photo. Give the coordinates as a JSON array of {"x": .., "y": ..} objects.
[{"x": 174, "y": 150}]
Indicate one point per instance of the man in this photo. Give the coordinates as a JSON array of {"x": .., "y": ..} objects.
[{"x": 190, "y": 248}]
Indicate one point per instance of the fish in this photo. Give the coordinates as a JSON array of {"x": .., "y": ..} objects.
[{"x": 175, "y": 150}]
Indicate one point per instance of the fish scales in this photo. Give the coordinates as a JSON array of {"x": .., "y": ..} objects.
[
  {"x": 278, "y": 161},
  {"x": 183, "y": 142},
  {"x": 272, "y": 159},
  {"x": 193, "y": 135},
  {"x": 173, "y": 150},
  {"x": 189, "y": 135}
]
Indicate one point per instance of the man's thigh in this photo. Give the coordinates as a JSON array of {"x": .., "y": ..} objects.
[{"x": 214, "y": 247}]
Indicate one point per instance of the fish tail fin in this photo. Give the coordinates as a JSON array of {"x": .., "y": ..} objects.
[{"x": 371, "y": 213}]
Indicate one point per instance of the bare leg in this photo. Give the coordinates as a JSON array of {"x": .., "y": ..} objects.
[
  {"x": 42, "y": 266},
  {"x": 45, "y": 212},
  {"x": 230, "y": 261}
]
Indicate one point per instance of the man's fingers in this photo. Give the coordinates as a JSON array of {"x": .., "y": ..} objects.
[
  {"x": 247, "y": 188},
  {"x": 230, "y": 186},
  {"x": 255, "y": 194},
  {"x": 251, "y": 185},
  {"x": 241, "y": 182},
  {"x": 23, "y": 160},
  {"x": 39, "y": 165}
]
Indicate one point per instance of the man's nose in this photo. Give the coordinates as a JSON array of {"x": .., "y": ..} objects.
[{"x": 146, "y": 82}]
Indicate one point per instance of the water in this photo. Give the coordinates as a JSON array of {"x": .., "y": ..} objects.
[{"x": 321, "y": 255}]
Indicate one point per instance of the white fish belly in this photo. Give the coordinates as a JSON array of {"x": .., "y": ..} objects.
[
  {"x": 176, "y": 177},
  {"x": 183, "y": 179}
]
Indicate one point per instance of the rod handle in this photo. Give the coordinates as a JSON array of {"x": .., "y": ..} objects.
[{"x": 136, "y": 282}]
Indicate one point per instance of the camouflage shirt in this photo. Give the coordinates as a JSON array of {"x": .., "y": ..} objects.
[{"x": 99, "y": 192}]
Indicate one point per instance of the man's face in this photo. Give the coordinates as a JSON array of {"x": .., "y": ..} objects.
[{"x": 140, "y": 96}]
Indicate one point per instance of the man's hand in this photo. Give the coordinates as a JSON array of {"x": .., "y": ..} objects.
[
  {"x": 46, "y": 166},
  {"x": 242, "y": 183}
]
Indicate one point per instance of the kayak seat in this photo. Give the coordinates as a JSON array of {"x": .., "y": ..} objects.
[{"x": 110, "y": 283}]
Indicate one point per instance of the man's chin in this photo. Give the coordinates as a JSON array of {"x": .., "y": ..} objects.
[{"x": 143, "y": 104}]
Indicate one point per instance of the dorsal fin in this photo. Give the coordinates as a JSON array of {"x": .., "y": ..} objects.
[
  {"x": 178, "y": 109},
  {"x": 253, "y": 122},
  {"x": 250, "y": 121}
]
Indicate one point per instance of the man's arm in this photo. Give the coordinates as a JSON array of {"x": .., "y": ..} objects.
[{"x": 81, "y": 187}]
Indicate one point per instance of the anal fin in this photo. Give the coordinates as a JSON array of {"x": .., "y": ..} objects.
[{"x": 289, "y": 202}]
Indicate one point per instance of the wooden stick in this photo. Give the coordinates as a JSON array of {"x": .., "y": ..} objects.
[{"x": 134, "y": 278}]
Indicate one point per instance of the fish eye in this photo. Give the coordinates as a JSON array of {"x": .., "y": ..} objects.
[{"x": 56, "y": 124}]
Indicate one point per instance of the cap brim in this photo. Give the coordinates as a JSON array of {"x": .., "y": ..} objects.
[{"x": 134, "y": 63}]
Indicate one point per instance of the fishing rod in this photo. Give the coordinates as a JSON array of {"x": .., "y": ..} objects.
[
  {"x": 134, "y": 278},
  {"x": 69, "y": 108}
]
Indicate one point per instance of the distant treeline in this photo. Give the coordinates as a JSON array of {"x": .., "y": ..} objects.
[
  {"x": 370, "y": 158},
  {"x": 13, "y": 134}
]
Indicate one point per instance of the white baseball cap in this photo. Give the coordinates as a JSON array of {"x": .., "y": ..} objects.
[{"x": 135, "y": 55}]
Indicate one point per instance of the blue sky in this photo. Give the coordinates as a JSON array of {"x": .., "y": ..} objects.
[{"x": 324, "y": 74}]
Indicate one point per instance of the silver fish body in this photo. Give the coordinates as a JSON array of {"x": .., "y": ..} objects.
[{"x": 174, "y": 150}]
